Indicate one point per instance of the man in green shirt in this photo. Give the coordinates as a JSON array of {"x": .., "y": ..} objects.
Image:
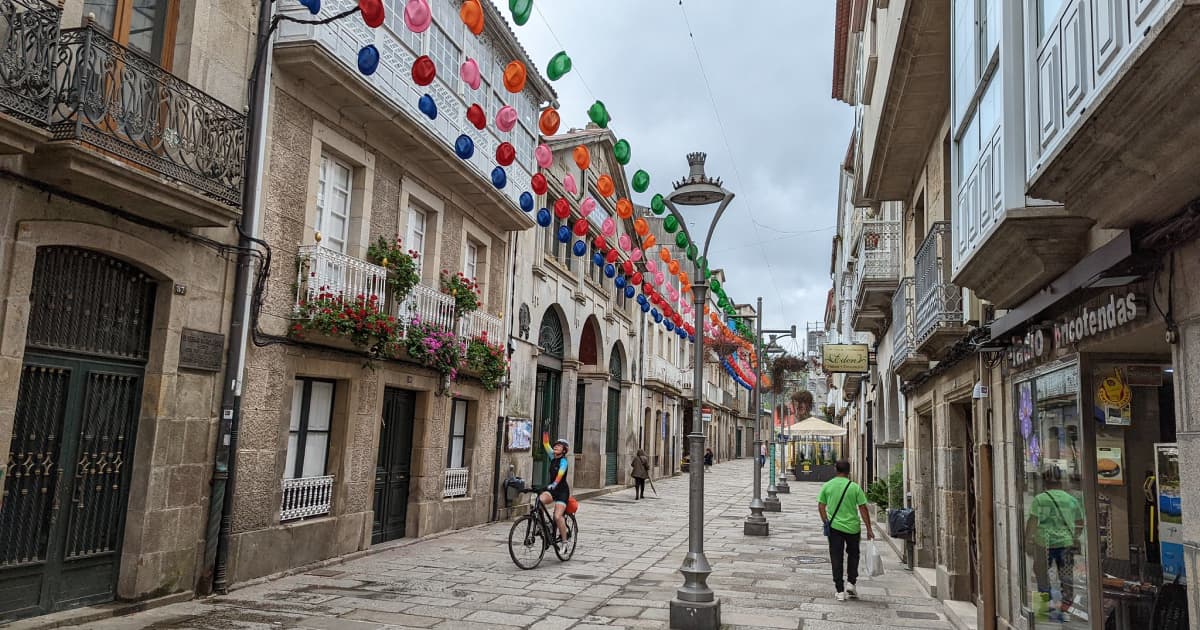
[
  {"x": 1055, "y": 523},
  {"x": 841, "y": 502}
]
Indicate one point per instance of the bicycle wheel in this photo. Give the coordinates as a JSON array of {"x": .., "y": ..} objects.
[
  {"x": 564, "y": 552},
  {"x": 526, "y": 542}
]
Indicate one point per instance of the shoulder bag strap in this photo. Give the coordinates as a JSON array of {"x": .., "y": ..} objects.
[{"x": 839, "y": 503}]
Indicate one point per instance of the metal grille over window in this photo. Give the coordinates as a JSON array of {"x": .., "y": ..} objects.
[
  {"x": 456, "y": 482},
  {"x": 306, "y": 496}
]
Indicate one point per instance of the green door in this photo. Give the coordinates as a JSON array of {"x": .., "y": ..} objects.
[
  {"x": 610, "y": 442},
  {"x": 78, "y": 401},
  {"x": 549, "y": 386}
]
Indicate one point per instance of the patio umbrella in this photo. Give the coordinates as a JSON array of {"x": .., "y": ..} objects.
[{"x": 815, "y": 427}]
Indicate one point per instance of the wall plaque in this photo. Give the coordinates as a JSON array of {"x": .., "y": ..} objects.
[
  {"x": 199, "y": 350},
  {"x": 846, "y": 358}
]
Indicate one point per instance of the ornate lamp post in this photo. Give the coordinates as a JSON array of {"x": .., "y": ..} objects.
[
  {"x": 695, "y": 606},
  {"x": 772, "y": 501}
]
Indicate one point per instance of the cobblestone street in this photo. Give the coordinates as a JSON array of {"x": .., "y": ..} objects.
[{"x": 624, "y": 573}]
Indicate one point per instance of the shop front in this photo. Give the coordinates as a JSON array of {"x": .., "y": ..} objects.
[{"x": 1091, "y": 386}]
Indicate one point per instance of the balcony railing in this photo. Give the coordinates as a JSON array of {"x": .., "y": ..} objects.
[
  {"x": 904, "y": 341},
  {"x": 306, "y": 496},
  {"x": 878, "y": 254},
  {"x": 323, "y": 271},
  {"x": 28, "y": 46},
  {"x": 456, "y": 482},
  {"x": 427, "y": 305},
  {"x": 939, "y": 301},
  {"x": 121, "y": 103},
  {"x": 480, "y": 325}
]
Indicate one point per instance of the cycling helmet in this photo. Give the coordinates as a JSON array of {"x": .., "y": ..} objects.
[{"x": 564, "y": 442}]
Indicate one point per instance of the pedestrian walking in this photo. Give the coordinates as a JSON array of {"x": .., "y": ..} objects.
[
  {"x": 762, "y": 457},
  {"x": 708, "y": 458},
  {"x": 843, "y": 527},
  {"x": 641, "y": 470}
]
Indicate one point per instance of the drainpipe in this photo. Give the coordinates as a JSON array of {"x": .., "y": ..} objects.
[
  {"x": 498, "y": 485},
  {"x": 987, "y": 514},
  {"x": 220, "y": 512}
]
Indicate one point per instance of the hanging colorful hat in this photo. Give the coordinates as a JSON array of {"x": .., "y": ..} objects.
[
  {"x": 417, "y": 16},
  {"x": 543, "y": 155},
  {"x": 506, "y": 154},
  {"x": 514, "y": 77},
  {"x": 427, "y": 106},
  {"x": 641, "y": 226},
  {"x": 624, "y": 208},
  {"x": 562, "y": 209},
  {"x": 543, "y": 217},
  {"x": 559, "y": 65},
  {"x": 581, "y": 227},
  {"x": 622, "y": 152},
  {"x": 580, "y": 248},
  {"x": 521, "y": 9},
  {"x": 526, "y": 201},
  {"x": 372, "y": 12},
  {"x": 587, "y": 206},
  {"x": 464, "y": 147},
  {"x": 506, "y": 118},
  {"x": 605, "y": 186},
  {"x": 564, "y": 234},
  {"x": 423, "y": 71},
  {"x": 641, "y": 181},
  {"x": 538, "y": 184},
  {"x": 548, "y": 122},
  {"x": 598, "y": 113},
  {"x": 476, "y": 117},
  {"x": 368, "y": 59},
  {"x": 313, "y": 6},
  {"x": 499, "y": 178},
  {"x": 469, "y": 72},
  {"x": 583, "y": 159},
  {"x": 471, "y": 14}
]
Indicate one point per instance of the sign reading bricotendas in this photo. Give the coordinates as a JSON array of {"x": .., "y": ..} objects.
[
  {"x": 845, "y": 358},
  {"x": 1103, "y": 314}
]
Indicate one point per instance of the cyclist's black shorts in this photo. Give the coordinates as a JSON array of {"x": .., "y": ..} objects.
[{"x": 560, "y": 493}]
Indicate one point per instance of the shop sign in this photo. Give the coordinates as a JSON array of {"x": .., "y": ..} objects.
[
  {"x": 706, "y": 414},
  {"x": 1106, "y": 313},
  {"x": 845, "y": 358}
]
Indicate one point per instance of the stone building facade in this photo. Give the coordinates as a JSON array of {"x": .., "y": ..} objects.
[{"x": 117, "y": 253}]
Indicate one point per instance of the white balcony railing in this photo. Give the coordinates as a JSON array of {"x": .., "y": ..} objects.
[
  {"x": 878, "y": 250},
  {"x": 323, "y": 271},
  {"x": 939, "y": 301},
  {"x": 427, "y": 305},
  {"x": 903, "y": 332},
  {"x": 456, "y": 482},
  {"x": 306, "y": 496},
  {"x": 480, "y": 325}
]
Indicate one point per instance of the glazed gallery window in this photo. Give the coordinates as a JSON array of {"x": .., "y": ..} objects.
[
  {"x": 458, "y": 435},
  {"x": 417, "y": 225},
  {"x": 333, "y": 202},
  {"x": 308, "y": 432},
  {"x": 1055, "y": 553}
]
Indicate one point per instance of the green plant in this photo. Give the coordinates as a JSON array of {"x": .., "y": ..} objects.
[
  {"x": 488, "y": 361},
  {"x": 403, "y": 272},
  {"x": 435, "y": 348},
  {"x": 360, "y": 320},
  {"x": 896, "y": 486},
  {"x": 464, "y": 290},
  {"x": 877, "y": 493}
]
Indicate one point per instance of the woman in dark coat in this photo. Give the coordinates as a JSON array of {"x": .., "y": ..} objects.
[
  {"x": 708, "y": 458},
  {"x": 641, "y": 470}
]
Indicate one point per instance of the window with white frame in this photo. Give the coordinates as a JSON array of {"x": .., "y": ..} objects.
[
  {"x": 471, "y": 260},
  {"x": 308, "y": 432},
  {"x": 418, "y": 221},
  {"x": 334, "y": 182},
  {"x": 456, "y": 453}
]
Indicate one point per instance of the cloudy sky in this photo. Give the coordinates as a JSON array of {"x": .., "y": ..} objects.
[{"x": 769, "y": 63}]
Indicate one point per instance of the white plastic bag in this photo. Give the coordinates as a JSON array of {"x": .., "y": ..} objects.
[{"x": 874, "y": 561}]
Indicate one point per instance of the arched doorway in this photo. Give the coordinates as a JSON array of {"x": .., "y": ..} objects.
[
  {"x": 551, "y": 346},
  {"x": 63, "y": 515},
  {"x": 616, "y": 372}
]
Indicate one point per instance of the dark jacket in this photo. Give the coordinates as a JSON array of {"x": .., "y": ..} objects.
[{"x": 641, "y": 467}]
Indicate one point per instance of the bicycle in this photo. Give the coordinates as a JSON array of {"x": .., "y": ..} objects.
[{"x": 534, "y": 532}]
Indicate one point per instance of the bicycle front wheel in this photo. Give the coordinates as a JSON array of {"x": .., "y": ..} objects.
[
  {"x": 566, "y": 550},
  {"x": 526, "y": 542}
]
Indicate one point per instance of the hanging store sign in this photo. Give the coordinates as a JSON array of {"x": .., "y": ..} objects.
[
  {"x": 845, "y": 358},
  {"x": 1106, "y": 313},
  {"x": 706, "y": 415}
]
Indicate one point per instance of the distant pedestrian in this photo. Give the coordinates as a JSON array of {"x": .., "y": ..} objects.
[
  {"x": 641, "y": 470},
  {"x": 762, "y": 457},
  {"x": 708, "y": 458},
  {"x": 843, "y": 527}
]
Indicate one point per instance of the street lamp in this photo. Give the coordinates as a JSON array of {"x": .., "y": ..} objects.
[
  {"x": 695, "y": 605},
  {"x": 756, "y": 523},
  {"x": 772, "y": 501}
]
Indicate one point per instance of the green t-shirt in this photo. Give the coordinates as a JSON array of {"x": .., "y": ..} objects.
[
  {"x": 846, "y": 518},
  {"x": 1055, "y": 513}
]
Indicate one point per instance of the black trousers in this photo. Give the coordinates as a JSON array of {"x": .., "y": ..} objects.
[
  {"x": 842, "y": 544},
  {"x": 639, "y": 487}
]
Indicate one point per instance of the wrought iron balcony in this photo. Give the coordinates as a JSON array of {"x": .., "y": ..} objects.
[
  {"x": 119, "y": 104},
  {"x": 939, "y": 301},
  {"x": 480, "y": 325},
  {"x": 28, "y": 44},
  {"x": 456, "y": 481},
  {"x": 906, "y": 362},
  {"x": 876, "y": 273},
  {"x": 427, "y": 305},
  {"x": 323, "y": 271},
  {"x": 305, "y": 497}
]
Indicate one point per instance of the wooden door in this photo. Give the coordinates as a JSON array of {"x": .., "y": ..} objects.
[{"x": 393, "y": 466}]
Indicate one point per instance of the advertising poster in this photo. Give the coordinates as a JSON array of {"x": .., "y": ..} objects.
[
  {"x": 520, "y": 434},
  {"x": 1170, "y": 508},
  {"x": 1110, "y": 469},
  {"x": 1113, "y": 397}
]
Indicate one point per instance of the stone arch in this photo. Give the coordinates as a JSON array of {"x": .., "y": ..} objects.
[
  {"x": 617, "y": 364},
  {"x": 554, "y": 336},
  {"x": 590, "y": 342}
]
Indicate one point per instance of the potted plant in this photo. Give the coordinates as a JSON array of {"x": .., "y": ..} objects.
[
  {"x": 435, "y": 348},
  {"x": 487, "y": 361},
  {"x": 402, "y": 268},
  {"x": 359, "y": 320},
  {"x": 464, "y": 290}
]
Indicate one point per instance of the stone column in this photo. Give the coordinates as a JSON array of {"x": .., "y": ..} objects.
[{"x": 1186, "y": 355}]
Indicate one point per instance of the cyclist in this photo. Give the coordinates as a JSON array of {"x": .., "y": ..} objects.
[{"x": 558, "y": 492}]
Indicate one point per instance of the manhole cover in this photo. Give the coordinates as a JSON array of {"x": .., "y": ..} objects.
[
  {"x": 580, "y": 576},
  {"x": 809, "y": 559},
  {"x": 904, "y": 614}
]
